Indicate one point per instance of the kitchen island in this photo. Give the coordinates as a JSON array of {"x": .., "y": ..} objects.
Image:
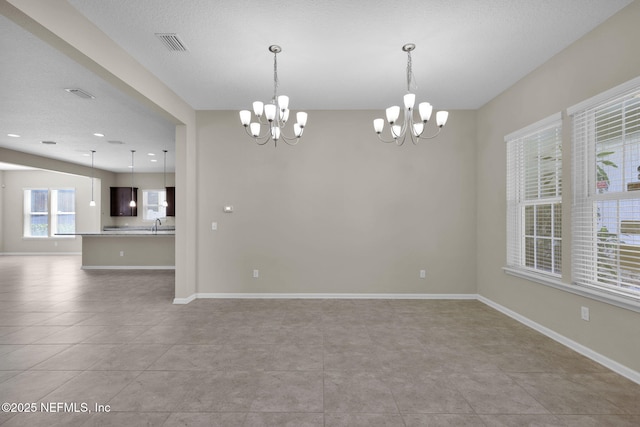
[{"x": 129, "y": 248}]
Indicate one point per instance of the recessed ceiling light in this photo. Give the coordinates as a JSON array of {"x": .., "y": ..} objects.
[
  {"x": 151, "y": 154},
  {"x": 154, "y": 160},
  {"x": 48, "y": 142},
  {"x": 13, "y": 135},
  {"x": 86, "y": 154},
  {"x": 98, "y": 134}
]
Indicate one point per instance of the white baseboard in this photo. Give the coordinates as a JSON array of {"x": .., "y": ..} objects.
[
  {"x": 327, "y": 296},
  {"x": 39, "y": 253},
  {"x": 585, "y": 351},
  {"x": 128, "y": 267},
  {"x": 186, "y": 300}
]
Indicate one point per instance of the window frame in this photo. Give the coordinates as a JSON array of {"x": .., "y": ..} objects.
[
  {"x": 51, "y": 213},
  {"x": 519, "y": 199},
  {"x": 589, "y": 196},
  {"x": 146, "y": 205}
]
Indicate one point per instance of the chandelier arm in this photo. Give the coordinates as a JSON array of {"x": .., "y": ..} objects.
[
  {"x": 288, "y": 138},
  {"x": 385, "y": 141},
  {"x": 291, "y": 143},
  {"x": 264, "y": 142},
  {"x": 266, "y": 136},
  {"x": 431, "y": 136}
]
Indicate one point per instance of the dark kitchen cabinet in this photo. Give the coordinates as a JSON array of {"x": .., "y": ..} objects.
[
  {"x": 171, "y": 201},
  {"x": 120, "y": 199}
]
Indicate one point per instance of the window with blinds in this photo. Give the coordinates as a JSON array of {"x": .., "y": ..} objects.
[
  {"x": 534, "y": 197},
  {"x": 606, "y": 205},
  {"x": 48, "y": 212}
]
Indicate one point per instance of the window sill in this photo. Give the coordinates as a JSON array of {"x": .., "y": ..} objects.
[{"x": 628, "y": 303}]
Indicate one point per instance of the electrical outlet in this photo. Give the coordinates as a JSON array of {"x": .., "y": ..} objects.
[
  {"x": 423, "y": 274},
  {"x": 584, "y": 313},
  {"x": 214, "y": 226},
  {"x": 256, "y": 274}
]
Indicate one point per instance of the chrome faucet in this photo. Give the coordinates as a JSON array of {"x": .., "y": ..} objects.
[{"x": 155, "y": 225}]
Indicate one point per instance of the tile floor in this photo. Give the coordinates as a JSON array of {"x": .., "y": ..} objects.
[{"x": 114, "y": 338}]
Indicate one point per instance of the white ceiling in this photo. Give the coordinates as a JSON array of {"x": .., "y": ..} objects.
[{"x": 336, "y": 55}]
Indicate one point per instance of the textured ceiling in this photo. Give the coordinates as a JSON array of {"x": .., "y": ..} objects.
[
  {"x": 336, "y": 55},
  {"x": 345, "y": 54}
]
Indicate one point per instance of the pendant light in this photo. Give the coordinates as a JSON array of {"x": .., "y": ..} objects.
[
  {"x": 132, "y": 203},
  {"x": 92, "y": 202},
  {"x": 164, "y": 175}
]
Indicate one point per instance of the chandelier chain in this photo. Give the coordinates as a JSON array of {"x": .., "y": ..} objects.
[
  {"x": 410, "y": 77},
  {"x": 275, "y": 76}
]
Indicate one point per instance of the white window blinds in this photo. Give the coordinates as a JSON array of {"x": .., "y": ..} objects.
[
  {"x": 606, "y": 203},
  {"x": 534, "y": 197}
]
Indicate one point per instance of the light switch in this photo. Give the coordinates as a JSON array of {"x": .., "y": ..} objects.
[{"x": 214, "y": 226}]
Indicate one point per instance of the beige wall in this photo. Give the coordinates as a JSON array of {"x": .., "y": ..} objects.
[
  {"x": 87, "y": 218},
  {"x": 604, "y": 58},
  {"x": 339, "y": 213}
]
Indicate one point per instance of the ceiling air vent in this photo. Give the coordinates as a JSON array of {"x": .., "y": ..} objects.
[
  {"x": 81, "y": 93},
  {"x": 172, "y": 42},
  {"x": 115, "y": 142}
]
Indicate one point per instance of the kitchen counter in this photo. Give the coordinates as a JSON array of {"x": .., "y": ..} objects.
[
  {"x": 129, "y": 248},
  {"x": 127, "y": 233}
]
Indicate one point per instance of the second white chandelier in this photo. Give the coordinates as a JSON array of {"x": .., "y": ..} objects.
[
  {"x": 275, "y": 114},
  {"x": 409, "y": 126}
]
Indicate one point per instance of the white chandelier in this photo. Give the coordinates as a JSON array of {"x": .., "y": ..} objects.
[
  {"x": 416, "y": 130},
  {"x": 274, "y": 115}
]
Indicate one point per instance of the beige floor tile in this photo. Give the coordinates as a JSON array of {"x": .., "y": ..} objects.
[
  {"x": 363, "y": 420},
  {"x": 284, "y": 420},
  {"x": 76, "y": 357},
  {"x": 129, "y": 419},
  {"x": 561, "y": 395},
  {"x": 129, "y": 357},
  {"x": 31, "y": 386},
  {"x": 357, "y": 392},
  {"x": 115, "y": 338},
  {"x": 181, "y": 357},
  {"x": 205, "y": 419},
  {"x": 443, "y": 420},
  {"x": 231, "y": 391},
  {"x": 72, "y": 335},
  {"x": 92, "y": 387},
  {"x": 154, "y": 391},
  {"x": 28, "y": 356},
  {"x": 495, "y": 393},
  {"x": 44, "y": 419},
  {"x": 427, "y": 393},
  {"x": 289, "y": 392}
]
